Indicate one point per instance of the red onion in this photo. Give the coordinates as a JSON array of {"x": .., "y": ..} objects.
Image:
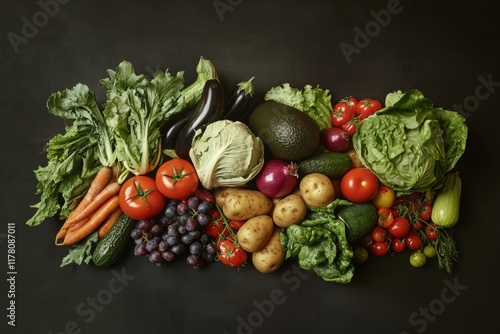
[
  {"x": 277, "y": 178},
  {"x": 335, "y": 139}
]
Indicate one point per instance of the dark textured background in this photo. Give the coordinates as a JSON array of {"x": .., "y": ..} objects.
[{"x": 445, "y": 49}]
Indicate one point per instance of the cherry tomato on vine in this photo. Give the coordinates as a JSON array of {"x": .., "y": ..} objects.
[
  {"x": 367, "y": 107},
  {"x": 418, "y": 259},
  {"x": 430, "y": 251},
  {"x": 413, "y": 240},
  {"x": 398, "y": 245},
  {"x": 431, "y": 231},
  {"x": 359, "y": 185},
  {"x": 379, "y": 234},
  {"x": 385, "y": 217},
  {"x": 204, "y": 195},
  {"x": 380, "y": 248},
  {"x": 425, "y": 211},
  {"x": 230, "y": 254},
  {"x": 342, "y": 113},
  {"x": 367, "y": 240},
  {"x": 352, "y": 101},
  {"x": 350, "y": 126},
  {"x": 236, "y": 224},
  {"x": 399, "y": 228},
  {"x": 177, "y": 179},
  {"x": 139, "y": 198},
  {"x": 215, "y": 226},
  {"x": 417, "y": 225}
]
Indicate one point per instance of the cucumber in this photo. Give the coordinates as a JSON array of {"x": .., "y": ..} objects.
[
  {"x": 109, "y": 249},
  {"x": 331, "y": 164},
  {"x": 360, "y": 219}
]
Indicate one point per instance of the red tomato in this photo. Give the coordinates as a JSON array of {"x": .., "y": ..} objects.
[
  {"x": 236, "y": 224},
  {"x": 417, "y": 225},
  {"x": 353, "y": 102},
  {"x": 399, "y": 228},
  {"x": 140, "y": 199},
  {"x": 425, "y": 211},
  {"x": 379, "y": 234},
  {"x": 230, "y": 254},
  {"x": 350, "y": 126},
  {"x": 413, "y": 241},
  {"x": 385, "y": 217},
  {"x": 367, "y": 240},
  {"x": 367, "y": 107},
  {"x": 215, "y": 226},
  {"x": 359, "y": 185},
  {"x": 204, "y": 195},
  {"x": 177, "y": 179},
  {"x": 431, "y": 231},
  {"x": 379, "y": 248},
  {"x": 342, "y": 113},
  {"x": 398, "y": 245}
]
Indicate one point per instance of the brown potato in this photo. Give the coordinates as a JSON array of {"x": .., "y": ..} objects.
[
  {"x": 221, "y": 194},
  {"x": 356, "y": 162},
  {"x": 270, "y": 258},
  {"x": 290, "y": 210},
  {"x": 317, "y": 190},
  {"x": 255, "y": 233},
  {"x": 244, "y": 204}
]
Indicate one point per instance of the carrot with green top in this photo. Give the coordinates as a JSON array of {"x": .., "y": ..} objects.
[
  {"x": 99, "y": 182},
  {"x": 104, "y": 211}
]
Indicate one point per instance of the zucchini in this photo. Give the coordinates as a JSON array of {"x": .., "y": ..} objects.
[
  {"x": 446, "y": 207},
  {"x": 109, "y": 249},
  {"x": 360, "y": 219},
  {"x": 331, "y": 164}
]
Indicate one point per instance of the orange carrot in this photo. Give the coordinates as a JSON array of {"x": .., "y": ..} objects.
[
  {"x": 109, "y": 222},
  {"x": 100, "y": 181},
  {"x": 109, "y": 191},
  {"x": 73, "y": 236}
]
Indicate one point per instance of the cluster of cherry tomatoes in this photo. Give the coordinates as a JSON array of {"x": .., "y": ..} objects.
[
  {"x": 405, "y": 225},
  {"x": 348, "y": 112},
  {"x": 223, "y": 232}
]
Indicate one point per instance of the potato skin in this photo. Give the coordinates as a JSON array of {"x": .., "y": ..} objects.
[
  {"x": 221, "y": 194},
  {"x": 290, "y": 210},
  {"x": 255, "y": 233},
  {"x": 317, "y": 190},
  {"x": 244, "y": 204},
  {"x": 271, "y": 256}
]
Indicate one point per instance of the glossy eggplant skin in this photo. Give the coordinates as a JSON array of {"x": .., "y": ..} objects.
[
  {"x": 173, "y": 128},
  {"x": 237, "y": 104},
  {"x": 208, "y": 110}
]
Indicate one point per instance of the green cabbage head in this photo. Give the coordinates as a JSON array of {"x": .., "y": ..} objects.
[{"x": 226, "y": 153}]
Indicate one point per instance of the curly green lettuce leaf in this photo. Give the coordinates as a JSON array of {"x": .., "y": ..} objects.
[
  {"x": 319, "y": 243},
  {"x": 72, "y": 157},
  {"x": 313, "y": 101}
]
